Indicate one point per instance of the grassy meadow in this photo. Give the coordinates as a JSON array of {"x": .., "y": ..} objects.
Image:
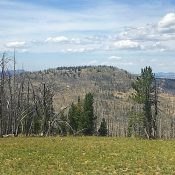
[{"x": 86, "y": 155}]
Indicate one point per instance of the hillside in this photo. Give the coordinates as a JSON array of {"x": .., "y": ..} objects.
[
  {"x": 167, "y": 85},
  {"x": 111, "y": 88},
  {"x": 70, "y": 82}
]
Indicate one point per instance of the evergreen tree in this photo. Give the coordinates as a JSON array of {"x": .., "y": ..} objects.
[
  {"x": 73, "y": 118},
  {"x": 89, "y": 117},
  {"x": 145, "y": 93},
  {"x": 37, "y": 125},
  {"x": 103, "y": 128},
  {"x": 81, "y": 116}
]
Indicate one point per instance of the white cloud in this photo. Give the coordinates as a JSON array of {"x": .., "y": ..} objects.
[
  {"x": 162, "y": 50},
  {"x": 114, "y": 58},
  {"x": 78, "y": 50},
  {"x": 16, "y": 44},
  {"x": 64, "y": 39},
  {"x": 148, "y": 34},
  {"x": 127, "y": 44},
  {"x": 145, "y": 33},
  {"x": 36, "y": 22},
  {"x": 57, "y": 39},
  {"x": 75, "y": 40},
  {"x": 167, "y": 23}
]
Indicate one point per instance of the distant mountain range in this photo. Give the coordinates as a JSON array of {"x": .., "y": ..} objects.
[
  {"x": 11, "y": 72},
  {"x": 167, "y": 75}
]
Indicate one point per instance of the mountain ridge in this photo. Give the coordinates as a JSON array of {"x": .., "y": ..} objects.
[
  {"x": 111, "y": 87},
  {"x": 167, "y": 75}
]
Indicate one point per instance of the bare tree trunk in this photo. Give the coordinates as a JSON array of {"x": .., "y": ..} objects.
[{"x": 2, "y": 99}]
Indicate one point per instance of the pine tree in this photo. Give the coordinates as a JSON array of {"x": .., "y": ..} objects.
[
  {"x": 145, "y": 92},
  {"x": 103, "y": 128},
  {"x": 73, "y": 118},
  {"x": 89, "y": 117},
  {"x": 81, "y": 116}
]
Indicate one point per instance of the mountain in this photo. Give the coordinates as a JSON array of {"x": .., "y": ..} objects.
[
  {"x": 106, "y": 82},
  {"x": 167, "y": 75},
  {"x": 166, "y": 85},
  {"x": 111, "y": 87}
]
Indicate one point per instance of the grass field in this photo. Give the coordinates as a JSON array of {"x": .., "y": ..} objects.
[{"x": 86, "y": 155}]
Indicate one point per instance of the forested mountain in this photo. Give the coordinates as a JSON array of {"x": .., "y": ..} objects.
[{"x": 112, "y": 90}]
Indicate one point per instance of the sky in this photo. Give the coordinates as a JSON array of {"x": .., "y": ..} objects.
[{"x": 122, "y": 33}]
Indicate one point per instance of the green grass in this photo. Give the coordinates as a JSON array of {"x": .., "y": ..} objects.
[{"x": 86, "y": 155}]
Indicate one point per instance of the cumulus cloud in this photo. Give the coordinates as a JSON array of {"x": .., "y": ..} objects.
[
  {"x": 114, "y": 58},
  {"x": 167, "y": 23},
  {"x": 148, "y": 34},
  {"x": 16, "y": 44},
  {"x": 75, "y": 40},
  {"x": 168, "y": 20},
  {"x": 63, "y": 39},
  {"x": 57, "y": 39},
  {"x": 145, "y": 33},
  {"x": 78, "y": 50},
  {"x": 127, "y": 44}
]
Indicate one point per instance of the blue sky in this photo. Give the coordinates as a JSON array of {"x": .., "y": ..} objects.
[{"x": 123, "y": 33}]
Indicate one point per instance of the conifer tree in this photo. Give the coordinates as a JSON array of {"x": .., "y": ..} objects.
[
  {"x": 73, "y": 118},
  {"x": 103, "y": 128},
  {"x": 145, "y": 91},
  {"x": 89, "y": 117}
]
